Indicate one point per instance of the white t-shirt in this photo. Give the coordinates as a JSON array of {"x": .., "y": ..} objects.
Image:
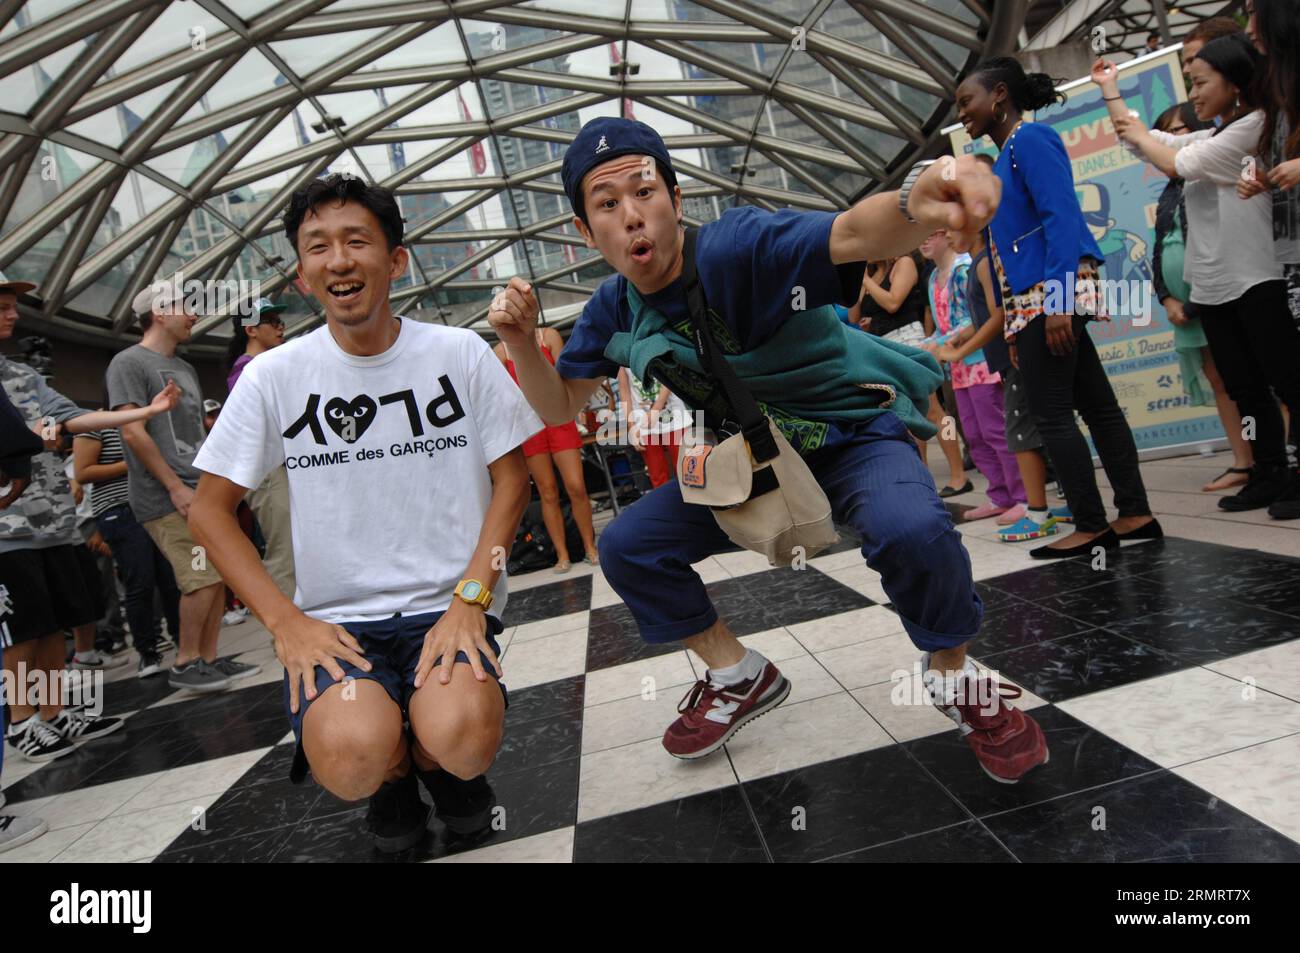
[
  {"x": 674, "y": 416},
  {"x": 387, "y": 462}
]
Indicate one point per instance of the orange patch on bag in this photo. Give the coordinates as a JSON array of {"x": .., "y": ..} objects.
[{"x": 693, "y": 465}]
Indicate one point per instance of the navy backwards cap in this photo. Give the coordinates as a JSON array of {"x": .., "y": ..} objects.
[{"x": 610, "y": 137}]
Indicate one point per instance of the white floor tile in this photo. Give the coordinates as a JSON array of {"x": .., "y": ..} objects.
[
  {"x": 46, "y": 847},
  {"x": 141, "y": 834},
  {"x": 192, "y": 781},
  {"x": 630, "y": 720},
  {"x": 638, "y": 775},
  {"x": 553, "y": 847},
  {"x": 545, "y": 660},
  {"x": 1262, "y": 780},
  {"x": 658, "y": 674},
  {"x": 553, "y": 626},
  {"x": 810, "y": 732},
  {"x": 1275, "y": 669},
  {"x": 1186, "y": 716},
  {"x": 847, "y": 628}
]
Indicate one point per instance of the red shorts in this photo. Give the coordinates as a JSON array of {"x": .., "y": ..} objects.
[{"x": 554, "y": 439}]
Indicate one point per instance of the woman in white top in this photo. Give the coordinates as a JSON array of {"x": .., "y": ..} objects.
[
  {"x": 1275, "y": 29},
  {"x": 1235, "y": 278}
]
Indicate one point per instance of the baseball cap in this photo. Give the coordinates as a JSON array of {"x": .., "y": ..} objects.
[
  {"x": 15, "y": 287},
  {"x": 263, "y": 306},
  {"x": 610, "y": 137},
  {"x": 211, "y": 406},
  {"x": 158, "y": 294}
]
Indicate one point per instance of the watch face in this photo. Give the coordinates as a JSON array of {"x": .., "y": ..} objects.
[{"x": 471, "y": 590}]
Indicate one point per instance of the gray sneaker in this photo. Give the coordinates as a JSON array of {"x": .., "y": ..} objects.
[
  {"x": 234, "y": 670},
  {"x": 198, "y": 676},
  {"x": 16, "y": 831}
]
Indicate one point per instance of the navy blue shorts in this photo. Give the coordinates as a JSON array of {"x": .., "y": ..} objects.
[{"x": 392, "y": 646}]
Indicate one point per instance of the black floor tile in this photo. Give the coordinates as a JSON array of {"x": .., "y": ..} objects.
[
  {"x": 1054, "y": 579},
  {"x": 614, "y": 639},
  {"x": 1156, "y": 818},
  {"x": 994, "y": 598},
  {"x": 1013, "y": 625},
  {"x": 1080, "y": 664},
  {"x": 714, "y": 827},
  {"x": 791, "y": 596},
  {"x": 529, "y": 744},
  {"x": 1079, "y": 757},
  {"x": 1281, "y": 597},
  {"x": 250, "y": 809},
  {"x": 237, "y": 736},
  {"x": 1210, "y": 630},
  {"x": 968, "y": 843},
  {"x": 273, "y": 768},
  {"x": 531, "y": 801},
  {"x": 127, "y": 753},
  {"x": 1121, "y": 600},
  {"x": 546, "y": 700},
  {"x": 256, "y": 848},
  {"x": 1224, "y": 571},
  {"x": 548, "y": 601},
  {"x": 133, "y": 694},
  {"x": 840, "y": 806}
]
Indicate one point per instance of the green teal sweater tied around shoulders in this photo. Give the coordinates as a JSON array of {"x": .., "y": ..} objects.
[{"x": 814, "y": 370}]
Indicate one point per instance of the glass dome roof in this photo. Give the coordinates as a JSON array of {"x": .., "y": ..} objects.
[{"x": 144, "y": 139}]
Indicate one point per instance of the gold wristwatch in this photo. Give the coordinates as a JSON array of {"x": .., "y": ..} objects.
[{"x": 475, "y": 593}]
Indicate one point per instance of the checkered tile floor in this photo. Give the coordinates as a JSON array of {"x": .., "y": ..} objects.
[{"x": 1168, "y": 684}]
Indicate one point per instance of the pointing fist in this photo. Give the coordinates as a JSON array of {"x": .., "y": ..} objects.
[{"x": 513, "y": 314}]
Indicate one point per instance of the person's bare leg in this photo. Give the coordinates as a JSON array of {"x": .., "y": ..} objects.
[
  {"x": 457, "y": 726},
  {"x": 20, "y": 661},
  {"x": 354, "y": 744},
  {"x": 195, "y": 609},
  {"x": 569, "y": 463},
  {"x": 212, "y": 625},
  {"x": 948, "y": 444},
  {"x": 949, "y": 660},
  {"x": 717, "y": 645},
  {"x": 83, "y": 637},
  {"x": 542, "y": 471},
  {"x": 1033, "y": 474},
  {"x": 51, "y": 660},
  {"x": 1242, "y": 456}
]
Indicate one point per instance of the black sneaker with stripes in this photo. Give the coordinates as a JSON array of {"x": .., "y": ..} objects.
[
  {"x": 37, "y": 741},
  {"x": 80, "y": 725}
]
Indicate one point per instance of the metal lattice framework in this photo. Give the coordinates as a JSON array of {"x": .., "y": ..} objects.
[
  {"x": 1127, "y": 23},
  {"x": 147, "y": 139}
]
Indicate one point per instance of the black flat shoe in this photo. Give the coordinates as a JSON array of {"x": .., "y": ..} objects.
[
  {"x": 948, "y": 491},
  {"x": 1107, "y": 540},
  {"x": 1150, "y": 530}
]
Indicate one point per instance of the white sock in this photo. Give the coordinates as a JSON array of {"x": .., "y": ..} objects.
[
  {"x": 1037, "y": 514},
  {"x": 16, "y": 727},
  {"x": 90, "y": 655},
  {"x": 751, "y": 666},
  {"x": 945, "y": 685}
]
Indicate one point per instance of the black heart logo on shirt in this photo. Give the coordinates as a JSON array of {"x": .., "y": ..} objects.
[{"x": 360, "y": 410}]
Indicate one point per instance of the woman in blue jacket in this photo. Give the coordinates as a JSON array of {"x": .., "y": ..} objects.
[{"x": 1041, "y": 247}]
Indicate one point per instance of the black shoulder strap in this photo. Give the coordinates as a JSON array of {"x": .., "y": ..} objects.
[{"x": 752, "y": 420}]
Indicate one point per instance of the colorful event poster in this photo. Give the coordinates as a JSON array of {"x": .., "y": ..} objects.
[{"x": 1118, "y": 194}]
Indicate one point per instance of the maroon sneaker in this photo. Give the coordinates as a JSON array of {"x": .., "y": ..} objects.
[
  {"x": 711, "y": 714},
  {"x": 1006, "y": 741}
]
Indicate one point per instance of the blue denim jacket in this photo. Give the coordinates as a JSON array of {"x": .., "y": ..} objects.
[{"x": 1039, "y": 229}]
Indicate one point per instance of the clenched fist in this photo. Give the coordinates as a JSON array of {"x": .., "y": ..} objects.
[{"x": 513, "y": 314}]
